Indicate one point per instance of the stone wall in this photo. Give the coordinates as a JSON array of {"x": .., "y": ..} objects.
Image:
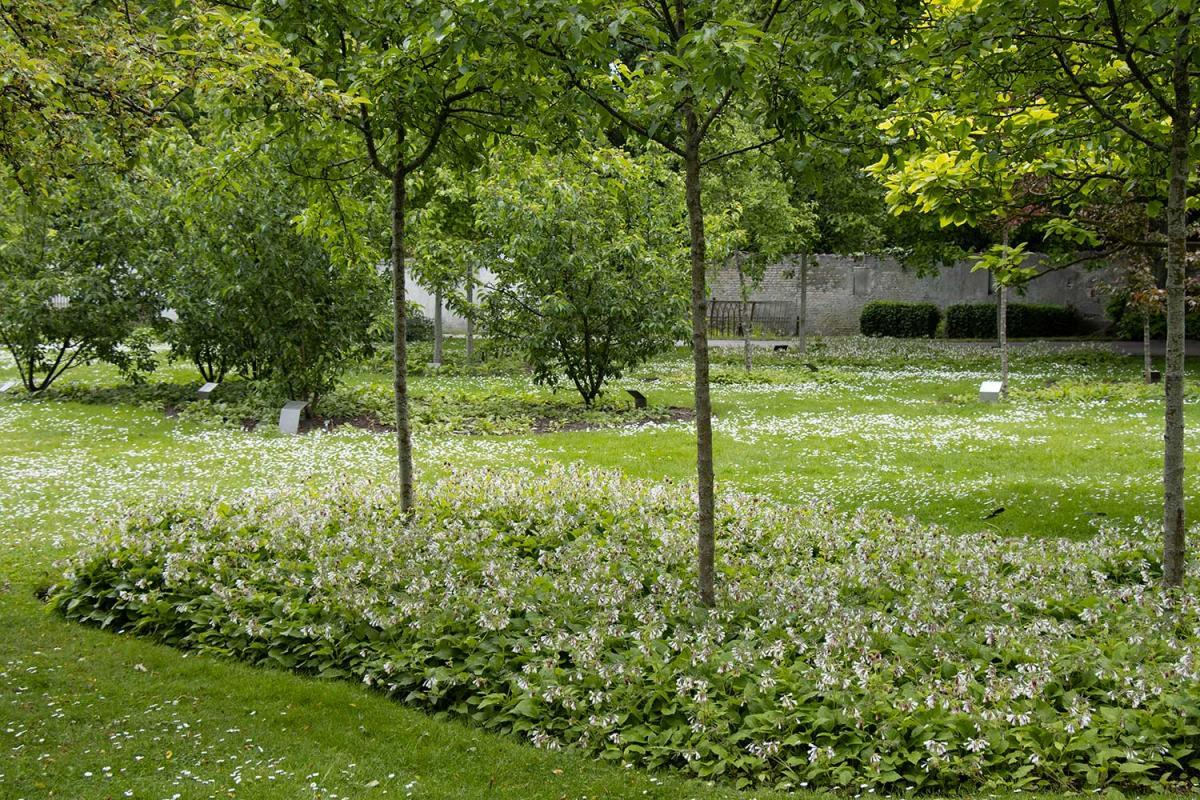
[{"x": 839, "y": 286}]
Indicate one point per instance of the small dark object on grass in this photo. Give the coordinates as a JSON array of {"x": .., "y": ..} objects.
[
  {"x": 995, "y": 513},
  {"x": 639, "y": 399},
  {"x": 780, "y": 348},
  {"x": 1155, "y": 376},
  {"x": 811, "y": 366}
]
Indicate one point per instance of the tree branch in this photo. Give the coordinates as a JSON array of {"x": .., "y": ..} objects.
[
  {"x": 1111, "y": 118},
  {"x": 1114, "y": 23}
]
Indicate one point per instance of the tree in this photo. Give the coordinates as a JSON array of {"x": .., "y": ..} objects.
[
  {"x": 671, "y": 74},
  {"x": 584, "y": 246},
  {"x": 85, "y": 84},
  {"x": 71, "y": 290},
  {"x": 445, "y": 245},
  {"x": 755, "y": 223},
  {"x": 424, "y": 77},
  {"x": 253, "y": 291},
  {"x": 990, "y": 167},
  {"x": 1123, "y": 75}
]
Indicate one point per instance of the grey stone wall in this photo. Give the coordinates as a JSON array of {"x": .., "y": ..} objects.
[{"x": 839, "y": 286}]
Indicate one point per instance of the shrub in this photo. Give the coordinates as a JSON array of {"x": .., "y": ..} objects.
[
  {"x": 78, "y": 245},
  {"x": 1025, "y": 320},
  {"x": 846, "y": 651},
  {"x": 901, "y": 320},
  {"x": 1127, "y": 322},
  {"x": 258, "y": 295},
  {"x": 586, "y": 283},
  {"x": 417, "y": 326}
]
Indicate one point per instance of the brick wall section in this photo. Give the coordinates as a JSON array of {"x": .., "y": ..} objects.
[{"x": 839, "y": 286}]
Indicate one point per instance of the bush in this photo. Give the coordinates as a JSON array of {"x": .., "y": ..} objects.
[
  {"x": 900, "y": 320},
  {"x": 258, "y": 295},
  {"x": 1127, "y": 322},
  {"x": 417, "y": 326},
  {"x": 847, "y": 652},
  {"x": 1025, "y": 320},
  {"x": 583, "y": 247},
  {"x": 70, "y": 292}
]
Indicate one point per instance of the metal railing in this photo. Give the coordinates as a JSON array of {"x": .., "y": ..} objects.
[{"x": 777, "y": 317}]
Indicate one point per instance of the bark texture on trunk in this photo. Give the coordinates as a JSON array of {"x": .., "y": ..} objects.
[
  {"x": 470, "y": 292},
  {"x": 1002, "y": 328},
  {"x": 1147, "y": 359},
  {"x": 437, "y": 327},
  {"x": 1173, "y": 497},
  {"x": 744, "y": 320},
  {"x": 705, "y": 538},
  {"x": 803, "y": 332},
  {"x": 399, "y": 341}
]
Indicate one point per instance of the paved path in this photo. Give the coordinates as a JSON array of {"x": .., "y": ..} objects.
[{"x": 1157, "y": 348}]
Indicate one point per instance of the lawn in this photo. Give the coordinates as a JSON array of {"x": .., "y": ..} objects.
[{"x": 90, "y": 714}]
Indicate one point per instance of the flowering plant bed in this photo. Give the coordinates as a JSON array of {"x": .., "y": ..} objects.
[{"x": 849, "y": 652}]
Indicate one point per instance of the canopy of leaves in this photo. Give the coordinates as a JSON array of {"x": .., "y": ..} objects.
[
  {"x": 71, "y": 290},
  {"x": 585, "y": 248}
]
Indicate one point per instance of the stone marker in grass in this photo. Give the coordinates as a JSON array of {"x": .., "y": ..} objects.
[
  {"x": 205, "y": 392},
  {"x": 639, "y": 399},
  {"x": 989, "y": 391},
  {"x": 289, "y": 416},
  {"x": 4, "y": 387}
]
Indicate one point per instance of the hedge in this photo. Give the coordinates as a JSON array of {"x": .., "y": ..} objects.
[
  {"x": 1025, "y": 320},
  {"x": 901, "y": 320}
]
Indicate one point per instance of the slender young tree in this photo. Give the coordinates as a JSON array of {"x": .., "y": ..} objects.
[
  {"x": 425, "y": 77},
  {"x": 1125, "y": 73},
  {"x": 673, "y": 73}
]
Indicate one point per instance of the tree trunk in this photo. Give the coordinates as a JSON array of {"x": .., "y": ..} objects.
[
  {"x": 803, "y": 332},
  {"x": 1173, "y": 500},
  {"x": 437, "y": 328},
  {"x": 705, "y": 538},
  {"x": 1147, "y": 359},
  {"x": 470, "y": 291},
  {"x": 399, "y": 339},
  {"x": 1002, "y": 327},
  {"x": 1002, "y": 322},
  {"x": 744, "y": 319}
]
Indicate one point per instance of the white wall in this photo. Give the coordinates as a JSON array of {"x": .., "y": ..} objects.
[{"x": 451, "y": 322}]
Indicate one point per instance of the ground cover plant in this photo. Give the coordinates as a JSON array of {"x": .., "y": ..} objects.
[
  {"x": 846, "y": 651},
  {"x": 883, "y": 424}
]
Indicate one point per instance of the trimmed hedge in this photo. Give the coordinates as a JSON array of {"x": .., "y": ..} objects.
[
  {"x": 1025, "y": 320},
  {"x": 899, "y": 319}
]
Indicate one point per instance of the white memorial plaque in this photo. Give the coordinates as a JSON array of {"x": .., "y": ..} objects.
[
  {"x": 169, "y": 314},
  {"x": 989, "y": 391},
  {"x": 4, "y": 387},
  {"x": 206, "y": 390},
  {"x": 289, "y": 416}
]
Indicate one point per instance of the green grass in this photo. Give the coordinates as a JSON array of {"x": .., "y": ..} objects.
[{"x": 902, "y": 435}]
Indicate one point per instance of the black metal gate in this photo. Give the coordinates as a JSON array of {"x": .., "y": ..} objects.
[{"x": 771, "y": 317}]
